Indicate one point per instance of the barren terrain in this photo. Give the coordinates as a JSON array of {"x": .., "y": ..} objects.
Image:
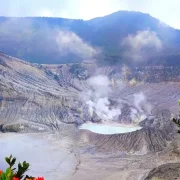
[{"x": 42, "y": 107}]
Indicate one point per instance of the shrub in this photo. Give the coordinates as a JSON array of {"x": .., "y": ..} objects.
[
  {"x": 177, "y": 120},
  {"x": 12, "y": 174}
]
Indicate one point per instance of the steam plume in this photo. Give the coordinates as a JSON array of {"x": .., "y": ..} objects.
[
  {"x": 100, "y": 105},
  {"x": 98, "y": 101},
  {"x": 142, "y": 108}
]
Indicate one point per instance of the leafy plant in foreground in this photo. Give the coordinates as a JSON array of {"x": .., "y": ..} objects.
[
  {"x": 177, "y": 120},
  {"x": 12, "y": 174}
]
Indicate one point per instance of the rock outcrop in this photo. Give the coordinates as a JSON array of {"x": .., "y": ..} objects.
[{"x": 165, "y": 172}]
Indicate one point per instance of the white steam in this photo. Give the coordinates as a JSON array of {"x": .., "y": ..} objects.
[
  {"x": 142, "y": 108},
  {"x": 100, "y": 86},
  {"x": 69, "y": 42},
  {"x": 141, "y": 45},
  {"x": 139, "y": 100},
  {"x": 99, "y": 104},
  {"x": 98, "y": 101}
]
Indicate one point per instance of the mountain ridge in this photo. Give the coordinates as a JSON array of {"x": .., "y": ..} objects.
[{"x": 35, "y": 38}]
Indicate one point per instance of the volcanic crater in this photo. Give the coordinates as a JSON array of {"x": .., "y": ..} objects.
[{"x": 106, "y": 118}]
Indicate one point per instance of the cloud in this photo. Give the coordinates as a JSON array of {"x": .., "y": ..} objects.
[
  {"x": 47, "y": 40},
  {"x": 69, "y": 42},
  {"x": 140, "y": 45}
]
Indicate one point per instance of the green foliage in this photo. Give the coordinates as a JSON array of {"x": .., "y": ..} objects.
[
  {"x": 11, "y": 161},
  {"x": 7, "y": 175},
  {"x": 22, "y": 168},
  {"x": 11, "y": 173},
  {"x": 177, "y": 120}
]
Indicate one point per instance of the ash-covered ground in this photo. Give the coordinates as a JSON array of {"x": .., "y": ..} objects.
[
  {"x": 43, "y": 106},
  {"x": 47, "y": 156}
]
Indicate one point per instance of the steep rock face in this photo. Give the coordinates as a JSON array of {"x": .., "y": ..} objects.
[
  {"x": 42, "y": 98},
  {"x": 165, "y": 172},
  {"x": 30, "y": 93}
]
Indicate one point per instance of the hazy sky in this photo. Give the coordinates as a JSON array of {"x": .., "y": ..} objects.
[{"x": 167, "y": 11}]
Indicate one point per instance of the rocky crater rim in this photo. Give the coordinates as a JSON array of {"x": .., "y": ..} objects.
[{"x": 109, "y": 128}]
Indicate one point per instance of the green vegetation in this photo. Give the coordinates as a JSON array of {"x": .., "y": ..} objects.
[
  {"x": 177, "y": 120},
  {"x": 11, "y": 174}
]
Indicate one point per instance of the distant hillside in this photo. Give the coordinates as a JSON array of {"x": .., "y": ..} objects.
[{"x": 59, "y": 40}]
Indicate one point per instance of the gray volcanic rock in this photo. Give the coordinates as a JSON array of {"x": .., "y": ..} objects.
[
  {"x": 29, "y": 94},
  {"x": 39, "y": 98},
  {"x": 152, "y": 137},
  {"x": 169, "y": 171}
]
